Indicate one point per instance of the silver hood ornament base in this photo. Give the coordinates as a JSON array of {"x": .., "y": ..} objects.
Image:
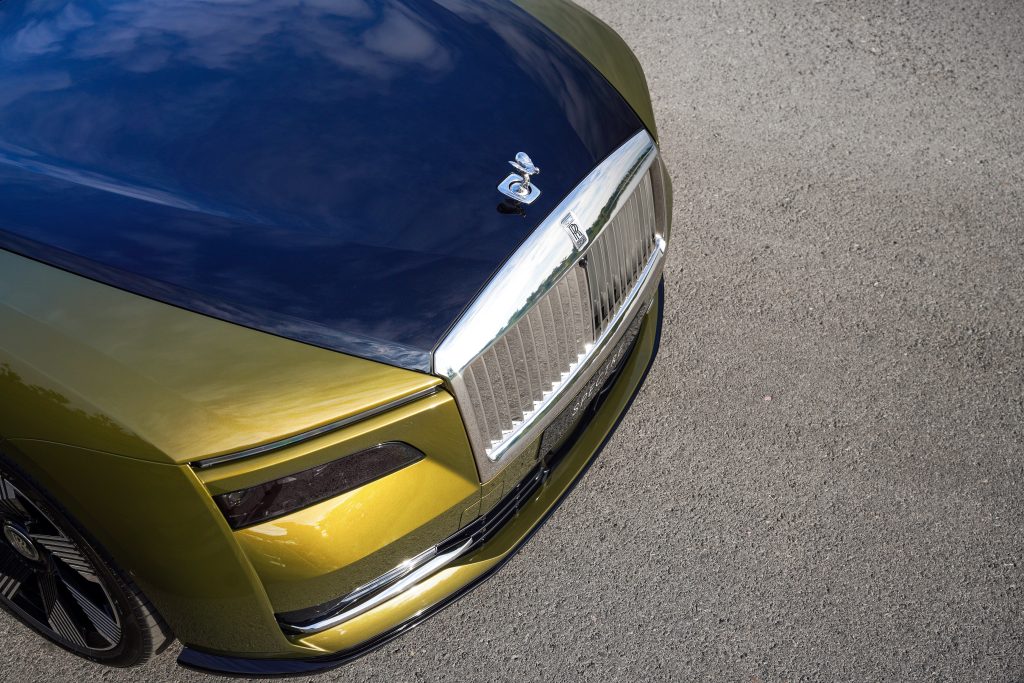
[{"x": 517, "y": 185}]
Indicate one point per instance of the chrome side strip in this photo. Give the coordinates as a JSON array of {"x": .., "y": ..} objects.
[
  {"x": 437, "y": 563},
  {"x": 391, "y": 576},
  {"x": 313, "y": 433}
]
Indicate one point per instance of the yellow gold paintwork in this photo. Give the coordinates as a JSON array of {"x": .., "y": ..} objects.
[
  {"x": 324, "y": 551},
  {"x": 222, "y": 588},
  {"x": 86, "y": 364},
  {"x": 106, "y": 396},
  {"x": 602, "y": 47},
  {"x": 464, "y": 572},
  {"x": 159, "y": 527}
]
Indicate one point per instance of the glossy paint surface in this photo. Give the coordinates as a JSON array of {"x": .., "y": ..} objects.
[
  {"x": 463, "y": 573},
  {"x": 323, "y": 171},
  {"x": 88, "y": 365},
  {"x": 124, "y": 157},
  {"x": 162, "y": 530},
  {"x": 324, "y": 551},
  {"x": 602, "y": 47}
]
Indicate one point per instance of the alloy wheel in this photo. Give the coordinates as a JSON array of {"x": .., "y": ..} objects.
[{"x": 49, "y": 580}]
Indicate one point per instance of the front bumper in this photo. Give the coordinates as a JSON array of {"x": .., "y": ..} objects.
[{"x": 507, "y": 527}]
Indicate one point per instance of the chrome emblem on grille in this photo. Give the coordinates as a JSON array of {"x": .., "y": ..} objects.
[
  {"x": 577, "y": 234},
  {"x": 517, "y": 185}
]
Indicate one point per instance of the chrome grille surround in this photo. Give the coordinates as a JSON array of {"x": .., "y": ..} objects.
[{"x": 544, "y": 323}]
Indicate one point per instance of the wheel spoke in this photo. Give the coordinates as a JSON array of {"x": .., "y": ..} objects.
[
  {"x": 51, "y": 580},
  {"x": 104, "y": 625},
  {"x": 9, "y": 502},
  {"x": 56, "y": 614},
  {"x": 65, "y": 550},
  {"x": 13, "y": 575}
]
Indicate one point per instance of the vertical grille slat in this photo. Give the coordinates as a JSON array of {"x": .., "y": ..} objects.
[
  {"x": 646, "y": 241},
  {"x": 593, "y": 268},
  {"x": 541, "y": 346},
  {"x": 622, "y": 274},
  {"x": 522, "y": 366},
  {"x": 634, "y": 246},
  {"x": 514, "y": 370},
  {"x": 486, "y": 421},
  {"x": 508, "y": 381},
  {"x": 607, "y": 297},
  {"x": 580, "y": 296},
  {"x": 498, "y": 391},
  {"x": 571, "y": 305},
  {"x": 562, "y": 324},
  {"x": 530, "y": 354},
  {"x": 551, "y": 339}
]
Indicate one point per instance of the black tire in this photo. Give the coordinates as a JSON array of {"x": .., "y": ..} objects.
[{"x": 59, "y": 583}]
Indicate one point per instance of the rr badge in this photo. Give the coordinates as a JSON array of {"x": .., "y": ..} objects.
[{"x": 576, "y": 233}]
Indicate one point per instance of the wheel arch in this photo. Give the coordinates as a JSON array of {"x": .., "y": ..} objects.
[{"x": 186, "y": 562}]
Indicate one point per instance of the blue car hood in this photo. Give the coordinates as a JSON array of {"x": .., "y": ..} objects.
[{"x": 325, "y": 171}]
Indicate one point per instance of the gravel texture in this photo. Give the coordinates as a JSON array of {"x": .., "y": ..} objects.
[{"x": 822, "y": 479}]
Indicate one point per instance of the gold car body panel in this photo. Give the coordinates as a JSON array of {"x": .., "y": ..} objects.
[
  {"x": 224, "y": 587},
  {"x": 221, "y": 578},
  {"x": 110, "y": 398},
  {"x": 161, "y": 529},
  {"x": 324, "y": 551},
  {"x": 451, "y": 580},
  {"x": 90, "y": 365}
]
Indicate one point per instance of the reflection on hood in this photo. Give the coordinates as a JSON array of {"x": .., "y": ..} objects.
[{"x": 323, "y": 170}]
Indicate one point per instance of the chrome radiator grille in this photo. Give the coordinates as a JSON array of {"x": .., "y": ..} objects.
[
  {"x": 620, "y": 252},
  {"x": 551, "y": 336},
  {"x": 511, "y": 379}
]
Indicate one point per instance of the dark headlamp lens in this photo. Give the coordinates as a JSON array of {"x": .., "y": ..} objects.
[{"x": 279, "y": 497}]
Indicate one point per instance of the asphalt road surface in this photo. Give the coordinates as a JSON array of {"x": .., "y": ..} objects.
[{"x": 822, "y": 479}]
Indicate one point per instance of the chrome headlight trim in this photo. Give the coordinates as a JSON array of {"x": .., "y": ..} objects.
[
  {"x": 546, "y": 256},
  {"x": 315, "y": 432}
]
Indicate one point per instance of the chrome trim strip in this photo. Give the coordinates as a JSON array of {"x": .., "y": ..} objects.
[
  {"x": 408, "y": 581},
  {"x": 390, "y": 576},
  {"x": 465, "y": 541},
  {"x": 313, "y": 433},
  {"x": 545, "y": 257},
  {"x": 461, "y": 543},
  {"x": 549, "y": 409}
]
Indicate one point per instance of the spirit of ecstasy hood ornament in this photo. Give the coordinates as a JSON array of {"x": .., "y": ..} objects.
[{"x": 517, "y": 185}]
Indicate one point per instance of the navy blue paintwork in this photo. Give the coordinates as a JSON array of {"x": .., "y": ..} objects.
[{"x": 325, "y": 171}]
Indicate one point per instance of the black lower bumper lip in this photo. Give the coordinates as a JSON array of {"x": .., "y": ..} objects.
[{"x": 227, "y": 665}]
